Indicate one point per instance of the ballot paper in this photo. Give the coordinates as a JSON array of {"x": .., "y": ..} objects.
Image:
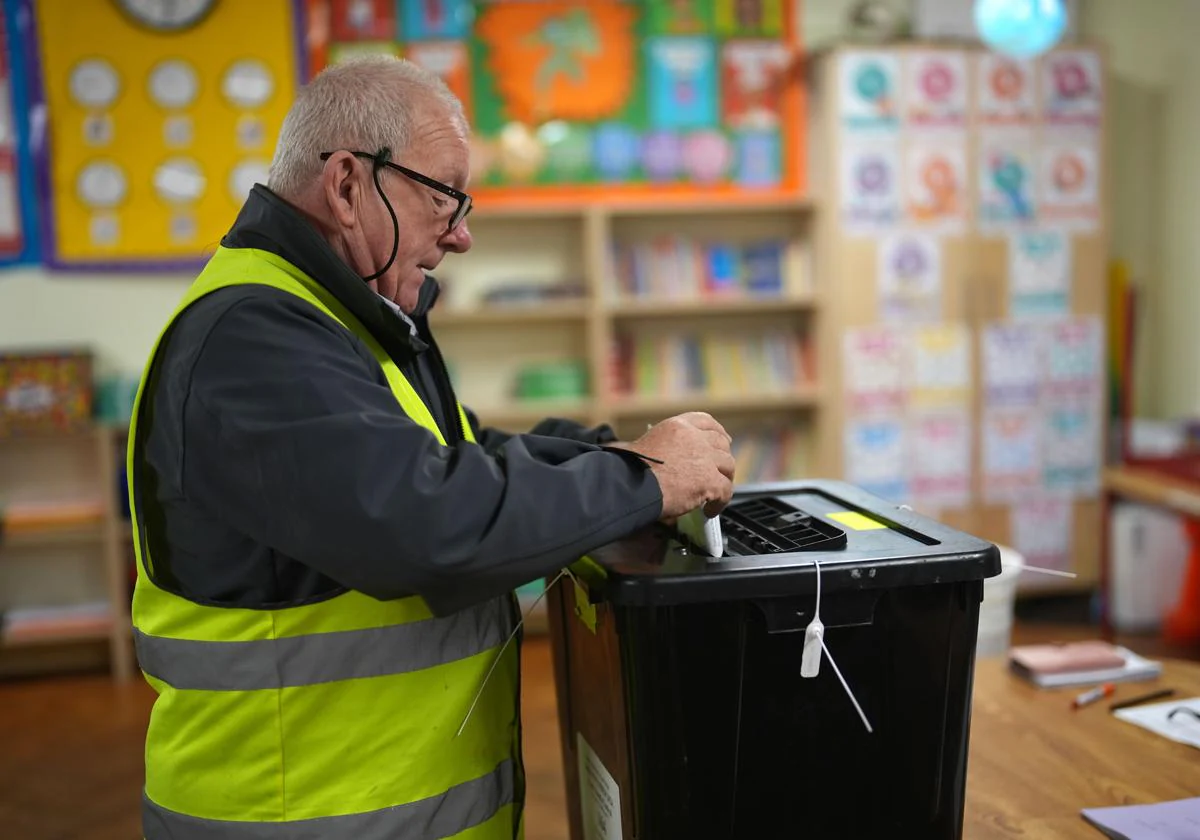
[
  {"x": 1179, "y": 818},
  {"x": 1183, "y": 727}
]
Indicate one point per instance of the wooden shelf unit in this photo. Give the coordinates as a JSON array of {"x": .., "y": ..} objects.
[
  {"x": 67, "y": 565},
  {"x": 578, "y": 240}
]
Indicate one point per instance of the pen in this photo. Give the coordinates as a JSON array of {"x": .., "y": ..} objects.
[
  {"x": 1145, "y": 698},
  {"x": 1089, "y": 697}
]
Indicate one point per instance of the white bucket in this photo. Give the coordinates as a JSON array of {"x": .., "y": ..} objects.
[{"x": 996, "y": 611}]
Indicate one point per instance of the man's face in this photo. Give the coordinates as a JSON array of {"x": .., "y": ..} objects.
[{"x": 438, "y": 151}]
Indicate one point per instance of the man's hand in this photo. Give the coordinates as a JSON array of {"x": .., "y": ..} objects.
[{"x": 697, "y": 465}]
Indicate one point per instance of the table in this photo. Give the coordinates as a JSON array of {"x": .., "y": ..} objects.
[
  {"x": 1035, "y": 763},
  {"x": 1138, "y": 484}
]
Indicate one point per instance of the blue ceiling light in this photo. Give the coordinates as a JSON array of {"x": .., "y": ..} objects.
[{"x": 1020, "y": 28}]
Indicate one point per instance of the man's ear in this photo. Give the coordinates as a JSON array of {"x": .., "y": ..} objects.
[{"x": 343, "y": 188}]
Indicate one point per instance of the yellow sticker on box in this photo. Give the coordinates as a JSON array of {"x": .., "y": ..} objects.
[{"x": 856, "y": 521}]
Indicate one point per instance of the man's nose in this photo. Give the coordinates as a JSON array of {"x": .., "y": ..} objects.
[{"x": 459, "y": 239}]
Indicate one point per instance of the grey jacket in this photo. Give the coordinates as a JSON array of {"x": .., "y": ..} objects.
[{"x": 275, "y": 467}]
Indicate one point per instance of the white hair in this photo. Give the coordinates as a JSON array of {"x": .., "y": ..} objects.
[{"x": 361, "y": 105}]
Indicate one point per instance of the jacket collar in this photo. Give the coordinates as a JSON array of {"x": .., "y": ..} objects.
[{"x": 269, "y": 223}]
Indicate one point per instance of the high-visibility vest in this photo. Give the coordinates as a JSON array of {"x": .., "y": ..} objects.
[{"x": 330, "y": 720}]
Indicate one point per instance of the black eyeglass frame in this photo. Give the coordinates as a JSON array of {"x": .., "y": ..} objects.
[{"x": 465, "y": 202}]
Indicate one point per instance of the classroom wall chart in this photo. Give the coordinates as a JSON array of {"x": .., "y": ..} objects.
[
  {"x": 160, "y": 117},
  {"x": 570, "y": 100},
  {"x": 18, "y": 221}
]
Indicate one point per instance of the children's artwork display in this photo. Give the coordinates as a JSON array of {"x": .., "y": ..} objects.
[
  {"x": 160, "y": 118},
  {"x": 628, "y": 100},
  {"x": 18, "y": 221}
]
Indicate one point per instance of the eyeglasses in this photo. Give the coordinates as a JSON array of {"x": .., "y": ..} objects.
[{"x": 464, "y": 200}]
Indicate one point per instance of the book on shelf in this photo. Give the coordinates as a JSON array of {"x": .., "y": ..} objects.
[
  {"x": 770, "y": 454},
  {"x": 29, "y": 624},
  {"x": 22, "y": 517},
  {"x": 681, "y": 268},
  {"x": 719, "y": 364}
]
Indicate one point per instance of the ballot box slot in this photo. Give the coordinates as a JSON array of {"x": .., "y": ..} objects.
[{"x": 767, "y": 525}]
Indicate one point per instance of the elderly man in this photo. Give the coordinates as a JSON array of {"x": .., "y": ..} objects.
[{"x": 328, "y": 543}]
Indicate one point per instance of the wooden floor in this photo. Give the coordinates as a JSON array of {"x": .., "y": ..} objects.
[{"x": 71, "y": 750}]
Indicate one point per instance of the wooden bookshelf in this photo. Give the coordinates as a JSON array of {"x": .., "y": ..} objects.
[
  {"x": 470, "y": 329},
  {"x": 81, "y": 561}
]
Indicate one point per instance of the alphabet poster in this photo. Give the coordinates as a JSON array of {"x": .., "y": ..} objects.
[
  {"x": 877, "y": 457},
  {"x": 936, "y": 89},
  {"x": 1069, "y": 182},
  {"x": 871, "y": 193},
  {"x": 869, "y": 91},
  {"x": 1072, "y": 89},
  {"x": 608, "y": 98},
  {"x": 910, "y": 277},
  {"x": 941, "y": 458},
  {"x": 1039, "y": 274},
  {"x": 1006, "y": 180},
  {"x": 155, "y": 137},
  {"x": 1005, "y": 91},
  {"x": 936, "y": 182}
]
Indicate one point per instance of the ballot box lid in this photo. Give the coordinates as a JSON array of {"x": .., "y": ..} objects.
[{"x": 773, "y": 534}]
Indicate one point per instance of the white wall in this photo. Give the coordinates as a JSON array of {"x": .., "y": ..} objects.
[
  {"x": 1154, "y": 61},
  {"x": 118, "y": 317}
]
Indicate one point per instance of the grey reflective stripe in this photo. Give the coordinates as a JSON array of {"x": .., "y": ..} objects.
[
  {"x": 450, "y": 813},
  {"x": 322, "y": 657}
]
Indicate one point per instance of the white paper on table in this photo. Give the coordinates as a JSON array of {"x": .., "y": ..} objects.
[
  {"x": 1005, "y": 91},
  {"x": 1182, "y": 728},
  {"x": 875, "y": 366},
  {"x": 1071, "y": 445},
  {"x": 1012, "y": 367},
  {"x": 877, "y": 456},
  {"x": 941, "y": 365},
  {"x": 1041, "y": 531},
  {"x": 1039, "y": 274},
  {"x": 936, "y": 181},
  {"x": 935, "y": 89},
  {"x": 941, "y": 458},
  {"x": 910, "y": 277},
  {"x": 871, "y": 193},
  {"x": 1012, "y": 462}
]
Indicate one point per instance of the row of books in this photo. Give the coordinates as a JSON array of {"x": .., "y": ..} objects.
[
  {"x": 676, "y": 267},
  {"x": 676, "y": 364},
  {"x": 33, "y": 624},
  {"x": 771, "y": 454}
]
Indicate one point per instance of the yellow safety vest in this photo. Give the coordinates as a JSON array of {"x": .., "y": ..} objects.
[{"x": 328, "y": 721}]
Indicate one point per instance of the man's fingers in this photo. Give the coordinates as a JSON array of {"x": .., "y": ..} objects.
[
  {"x": 718, "y": 439},
  {"x": 726, "y": 464},
  {"x": 704, "y": 420}
]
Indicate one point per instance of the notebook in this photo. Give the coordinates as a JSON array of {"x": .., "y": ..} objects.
[
  {"x": 1162, "y": 821},
  {"x": 1080, "y": 663}
]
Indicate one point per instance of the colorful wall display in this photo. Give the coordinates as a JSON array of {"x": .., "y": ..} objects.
[
  {"x": 19, "y": 239},
  {"x": 160, "y": 118},
  {"x": 613, "y": 98}
]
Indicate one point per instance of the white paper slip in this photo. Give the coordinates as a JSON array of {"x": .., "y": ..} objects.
[
  {"x": 1160, "y": 821},
  {"x": 1178, "y": 720}
]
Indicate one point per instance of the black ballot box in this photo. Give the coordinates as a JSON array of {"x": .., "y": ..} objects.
[{"x": 683, "y": 709}]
